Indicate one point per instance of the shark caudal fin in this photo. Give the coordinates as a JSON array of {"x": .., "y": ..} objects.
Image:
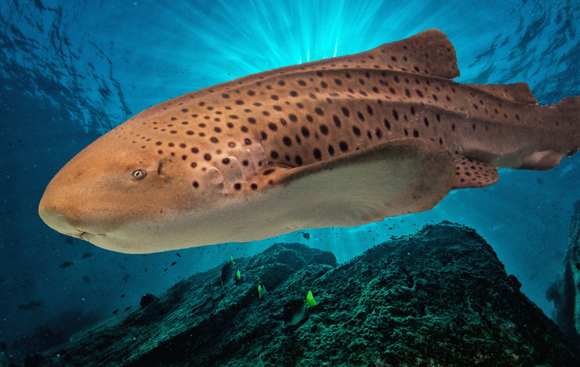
[
  {"x": 537, "y": 139},
  {"x": 561, "y": 135},
  {"x": 569, "y": 109},
  {"x": 569, "y": 112}
]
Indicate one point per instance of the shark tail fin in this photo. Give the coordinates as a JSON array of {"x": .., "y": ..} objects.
[
  {"x": 569, "y": 113},
  {"x": 569, "y": 107},
  {"x": 561, "y": 123}
]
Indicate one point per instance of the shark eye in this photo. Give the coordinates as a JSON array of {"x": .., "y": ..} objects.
[{"x": 139, "y": 174}]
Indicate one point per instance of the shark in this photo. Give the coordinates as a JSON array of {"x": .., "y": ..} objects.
[{"x": 339, "y": 142}]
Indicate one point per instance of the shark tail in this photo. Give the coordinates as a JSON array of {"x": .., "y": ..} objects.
[
  {"x": 563, "y": 134},
  {"x": 569, "y": 108},
  {"x": 568, "y": 119}
]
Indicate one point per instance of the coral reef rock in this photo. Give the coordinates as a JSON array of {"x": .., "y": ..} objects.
[
  {"x": 439, "y": 297},
  {"x": 564, "y": 294}
]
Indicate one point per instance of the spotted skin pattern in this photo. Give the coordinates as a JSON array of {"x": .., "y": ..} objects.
[
  {"x": 309, "y": 113},
  {"x": 239, "y": 138}
]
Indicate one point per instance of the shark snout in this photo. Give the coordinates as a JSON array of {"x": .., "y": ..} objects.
[
  {"x": 66, "y": 221},
  {"x": 54, "y": 215},
  {"x": 59, "y": 223}
]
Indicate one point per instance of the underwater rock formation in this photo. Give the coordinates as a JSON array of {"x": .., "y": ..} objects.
[
  {"x": 437, "y": 297},
  {"x": 564, "y": 294}
]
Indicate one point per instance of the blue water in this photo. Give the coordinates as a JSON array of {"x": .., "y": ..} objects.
[{"x": 70, "y": 72}]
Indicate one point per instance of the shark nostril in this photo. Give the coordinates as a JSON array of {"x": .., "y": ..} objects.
[{"x": 164, "y": 165}]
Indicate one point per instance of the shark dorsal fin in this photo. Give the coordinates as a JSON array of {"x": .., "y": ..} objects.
[{"x": 428, "y": 53}]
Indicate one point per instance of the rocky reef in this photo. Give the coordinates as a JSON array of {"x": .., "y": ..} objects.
[
  {"x": 564, "y": 294},
  {"x": 439, "y": 297}
]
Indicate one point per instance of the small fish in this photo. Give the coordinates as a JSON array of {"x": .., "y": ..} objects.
[
  {"x": 344, "y": 141},
  {"x": 66, "y": 264},
  {"x": 32, "y": 305}
]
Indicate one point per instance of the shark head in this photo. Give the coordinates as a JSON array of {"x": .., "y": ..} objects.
[{"x": 111, "y": 184}]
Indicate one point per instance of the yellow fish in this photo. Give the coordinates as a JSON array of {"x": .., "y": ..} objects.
[{"x": 344, "y": 141}]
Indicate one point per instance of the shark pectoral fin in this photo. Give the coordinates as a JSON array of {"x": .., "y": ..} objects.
[
  {"x": 395, "y": 178},
  {"x": 470, "y": 173},
  {"x": 516, "y": 92}
]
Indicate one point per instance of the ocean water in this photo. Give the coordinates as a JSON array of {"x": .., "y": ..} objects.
[{"x": 70, "y": 71}]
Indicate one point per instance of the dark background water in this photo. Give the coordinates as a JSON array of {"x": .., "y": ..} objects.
[{"x": 70, "y": 71}]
